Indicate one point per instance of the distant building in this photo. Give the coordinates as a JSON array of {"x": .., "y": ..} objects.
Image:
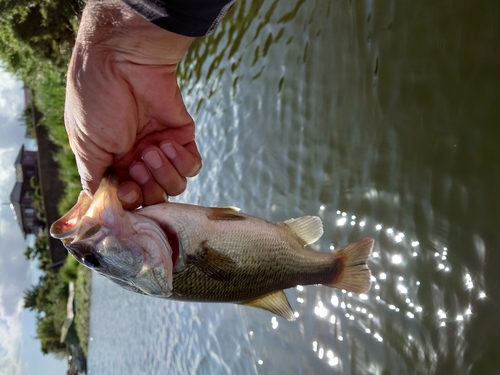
[{"x": 21, "y": 198}]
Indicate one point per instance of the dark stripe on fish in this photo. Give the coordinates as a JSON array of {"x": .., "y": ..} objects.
[
  {"x": 224, "y": 214},
  {"x": 212, "y": 263},
  {"x": 338, "y": 269}
]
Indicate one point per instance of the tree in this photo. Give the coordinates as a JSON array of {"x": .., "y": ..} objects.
[
  {"x": 37, "y": 203},
  {"x": 34, "y": 31},
  {"x": 39, "y": 251},
  {"x": 48, "y": 330},
  {"x": 48, "y": 299},
  {"x": 30, "y": 298}
]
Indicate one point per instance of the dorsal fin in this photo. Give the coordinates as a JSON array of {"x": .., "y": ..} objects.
[
  {"x": 276, "y": 302},
  {"x": 234, "y": 208},
  {"x": 307, "y": 229}
]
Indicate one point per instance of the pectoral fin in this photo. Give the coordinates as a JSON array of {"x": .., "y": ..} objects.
[
  {"x": 276, "y": 302},
  {"x": 212, "y": 263}
]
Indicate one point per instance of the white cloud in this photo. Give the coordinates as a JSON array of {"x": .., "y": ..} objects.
[
  {"x": 10, "y": 342},
  {"x": 15, "y": 277},
  {"x": 11, "y": 97},
  {"x": 15, "y": 274},
  {"x": 12, "y": 130}
]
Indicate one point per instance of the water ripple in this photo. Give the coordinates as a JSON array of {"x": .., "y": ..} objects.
[{"x": 377, "y": 118}]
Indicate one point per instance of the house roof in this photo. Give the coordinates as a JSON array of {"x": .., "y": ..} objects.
[
  {"x": 18, "y": 164},
  {"x": 15, "y": 200}
]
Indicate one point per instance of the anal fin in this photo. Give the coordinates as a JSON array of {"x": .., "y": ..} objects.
[{"x": 276, "y": 302}]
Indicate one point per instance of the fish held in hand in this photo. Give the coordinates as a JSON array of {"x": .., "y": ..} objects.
[{"x": 206, "y": 254}]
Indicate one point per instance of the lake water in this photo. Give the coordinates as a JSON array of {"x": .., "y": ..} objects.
[{"x": 383, "y": 118}]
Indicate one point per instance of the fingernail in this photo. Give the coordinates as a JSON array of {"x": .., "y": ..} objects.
[
  {"x": 130, "y": 197},
  {"x": 169, "y": 150},
  {"x": 153, "y": 159},
  {"x": 140, "y": 174}
]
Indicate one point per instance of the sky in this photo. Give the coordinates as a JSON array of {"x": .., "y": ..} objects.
[{"x": 20, "y": 352}]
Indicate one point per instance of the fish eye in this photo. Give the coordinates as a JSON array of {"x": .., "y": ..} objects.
[{"x": 91, "y": 261}]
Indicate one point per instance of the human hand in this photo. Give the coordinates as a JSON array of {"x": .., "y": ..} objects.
[{"x": 124, "y": 108}]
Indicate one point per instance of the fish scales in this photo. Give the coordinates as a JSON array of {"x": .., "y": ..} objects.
[{"x": 257, "y": 247}]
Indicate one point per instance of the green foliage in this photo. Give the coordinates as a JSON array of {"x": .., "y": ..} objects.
[
  {"x": 39, "y": 250},
  {"x": 36, "y": 39},
  {"x": 82, "y": 306},
  {"x": 31, "y": 297},
  {"x": 48, "y": 298},
  {"x": 69, "y": 271},
  {"x": 49, "y": 95},
  {"x": 37, "y": 202},
  {"x": 48, "y": 331},
  {"x": 37, "y": 35},
  {"x": 27, "y": 119}
]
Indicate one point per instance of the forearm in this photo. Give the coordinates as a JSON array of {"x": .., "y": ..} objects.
[{"x": 111, "y": 25}]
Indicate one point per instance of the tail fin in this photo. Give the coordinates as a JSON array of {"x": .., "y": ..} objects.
[{"x": 354, "y": 274}]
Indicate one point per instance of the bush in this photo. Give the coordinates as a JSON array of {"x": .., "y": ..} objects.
[
  {"x": 82, "y": 306},
  {"x": 69, "y": 271}
]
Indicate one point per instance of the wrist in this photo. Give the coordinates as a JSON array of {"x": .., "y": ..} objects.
[{"x": 112, "y": 26}]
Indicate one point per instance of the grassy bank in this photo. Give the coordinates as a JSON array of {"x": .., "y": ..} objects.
[
  {"x": 49, "y": 97},
  {"x": 82, "y": 306},
  {"x": 49, "y": 93},
  {"x": 81, "y": 276}
]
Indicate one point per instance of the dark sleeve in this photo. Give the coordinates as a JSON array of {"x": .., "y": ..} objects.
[{"x": 185, "y": 17}]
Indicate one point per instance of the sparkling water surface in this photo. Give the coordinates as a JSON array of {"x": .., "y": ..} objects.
[{"x": 382, "y": 118}]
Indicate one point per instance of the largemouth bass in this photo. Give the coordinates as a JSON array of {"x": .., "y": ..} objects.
[{"x": 206, "y": 254}]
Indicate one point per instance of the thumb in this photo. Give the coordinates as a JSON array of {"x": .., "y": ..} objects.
[{"x": 91, "y": 174}]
